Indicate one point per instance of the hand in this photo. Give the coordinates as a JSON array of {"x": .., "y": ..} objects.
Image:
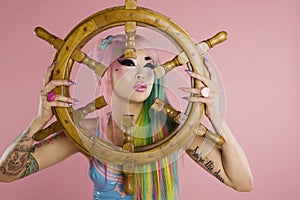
[
  {"x": 210, "y": 81},
  {"x": 45, "y": 107}
]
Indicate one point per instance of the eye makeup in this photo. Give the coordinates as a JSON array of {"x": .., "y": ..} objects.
[
  {"x": 126, "y": 62},
  {"x": 130, "y": 63},
  {"x": 149, "y": 65}
]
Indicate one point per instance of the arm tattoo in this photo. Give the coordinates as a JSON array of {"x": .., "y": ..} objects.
[
  {"x": 17, "y": 156},
  {"x": 32, "y": 166},
  {"x": 16, "y": 160},
  {"x": 208, "y": 164}
]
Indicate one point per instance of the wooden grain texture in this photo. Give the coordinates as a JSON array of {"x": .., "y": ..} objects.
[{"x": 86, "y": 30}]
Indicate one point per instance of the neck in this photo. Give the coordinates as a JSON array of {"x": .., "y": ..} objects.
[{"x": 120, "y": 107}]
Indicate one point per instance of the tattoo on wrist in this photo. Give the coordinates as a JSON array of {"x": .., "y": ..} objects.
[
  {"x": 205, "y": 162},
  {"x": 51, "y": 139}
]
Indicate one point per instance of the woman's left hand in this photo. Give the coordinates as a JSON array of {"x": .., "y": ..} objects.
[{"x": 209, "y": 81}]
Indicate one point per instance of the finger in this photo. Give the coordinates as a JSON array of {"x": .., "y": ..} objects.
[
  {"x": 48, "y": 73},
  {"x": 59, "y": 104},
  {"x": 47, "y": 76},
  {"x": 54, "y": 83},
  {"x": 191, "y": 90},
  {"x": 211, "y": 69},
  {"x": 63, "y": 98},
  {"x": 60, "y": 101},
  {"x": 197, "y": 99},
  {"x": 203, "y": 91},
  {"x": 205, "y": 80}
]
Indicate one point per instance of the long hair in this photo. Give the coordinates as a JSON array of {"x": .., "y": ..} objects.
[{"x": 162, "y": 182}]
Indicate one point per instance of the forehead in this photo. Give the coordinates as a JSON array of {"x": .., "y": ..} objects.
[{"x": 144, "y": 53}]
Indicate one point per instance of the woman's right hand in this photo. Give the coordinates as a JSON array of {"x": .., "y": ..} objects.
[{"x": 45, "y": 112}]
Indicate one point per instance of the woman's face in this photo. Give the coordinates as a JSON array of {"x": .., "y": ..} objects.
[{"x": 132, "y": 79}]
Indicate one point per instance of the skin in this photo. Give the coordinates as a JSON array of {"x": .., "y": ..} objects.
[
  {"x": 127, "y": 72},
  {"x": 227, "y": 163},
  {"x": 125, "y": 99}
]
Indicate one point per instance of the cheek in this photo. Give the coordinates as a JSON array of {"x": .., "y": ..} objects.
[
  {"x": 119, "y": 76},
  {"x": 149, "y": 76}
]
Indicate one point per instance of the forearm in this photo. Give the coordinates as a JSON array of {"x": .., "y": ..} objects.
[
  {"x": 17, "y": 155},
  {"x": 234, "y": 160}
]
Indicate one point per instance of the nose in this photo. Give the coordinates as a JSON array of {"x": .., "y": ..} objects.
[
  {"x": 140, "y": 72},
  {"x": 140, "y": 76}
]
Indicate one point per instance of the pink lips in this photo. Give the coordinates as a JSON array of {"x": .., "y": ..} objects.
[{"x": 140, "y": 87}]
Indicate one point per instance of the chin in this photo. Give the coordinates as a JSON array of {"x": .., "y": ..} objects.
[{"x": 140, "y": 96}]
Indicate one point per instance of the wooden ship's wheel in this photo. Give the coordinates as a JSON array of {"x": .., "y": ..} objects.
[{"x": 69, "y": 51}]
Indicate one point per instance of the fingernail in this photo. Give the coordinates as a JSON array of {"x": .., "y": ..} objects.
[
  {"x": 70, "y": 82},
  {"x": 53, "y": 63},
  {"x": 182, "y": 89},
  {"x": 188, "y": 71},
  {"x": 186, "y": 98},
  {"x": 74, "y": 100},
  {"x": 70, "y": 104}
]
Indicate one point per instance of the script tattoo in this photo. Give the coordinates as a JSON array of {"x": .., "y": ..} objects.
[
  {"x": 17, "y": 158},
  {"x": 51, "y": 139},
  {"x": 205, "y": 162}
]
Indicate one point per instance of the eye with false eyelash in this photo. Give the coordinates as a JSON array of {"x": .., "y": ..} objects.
[
  {"x": 127, "y": 62},
  {"x": 149, "y": 65},
  {"x": 130, "y": 63}
]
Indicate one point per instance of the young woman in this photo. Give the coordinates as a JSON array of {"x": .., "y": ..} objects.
[{"x": 131, "y": 86}]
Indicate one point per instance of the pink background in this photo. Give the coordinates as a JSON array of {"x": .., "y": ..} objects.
[{"x": 260, "y": 68}]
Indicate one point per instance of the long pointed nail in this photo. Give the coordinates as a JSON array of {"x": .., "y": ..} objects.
[
  {"x": 74, "y": 100},
  {"x": 70, "y": 82},
  {"x": 188, "y": 71},
  {"x": 186, "y": 98},
  {"x": 53, "y": 63}
]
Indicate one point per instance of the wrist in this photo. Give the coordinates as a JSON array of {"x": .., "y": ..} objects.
[
  {"x": 36, "y": 124},
  {"x": 41, "y": 119}
]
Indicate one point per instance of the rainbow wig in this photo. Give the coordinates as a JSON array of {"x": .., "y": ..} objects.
[{"x": 161, "y": 183}]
